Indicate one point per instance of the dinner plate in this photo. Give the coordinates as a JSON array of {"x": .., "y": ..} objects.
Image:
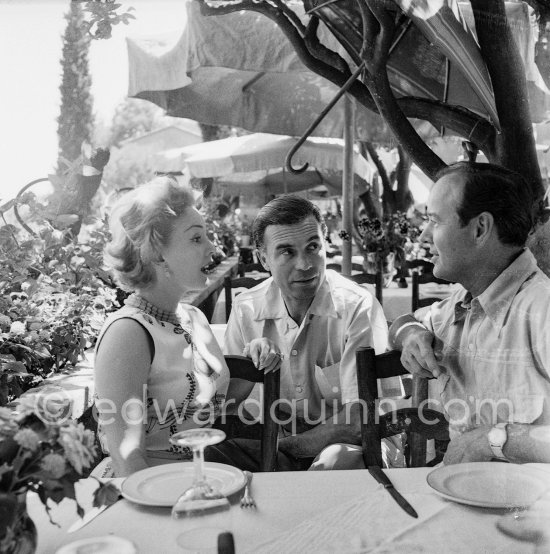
[
  {"x": 162, "y": 485},
  {"x": 490, "y": 484}
]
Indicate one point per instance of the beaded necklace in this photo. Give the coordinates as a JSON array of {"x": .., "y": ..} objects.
[{"x": 146, "y": 307}]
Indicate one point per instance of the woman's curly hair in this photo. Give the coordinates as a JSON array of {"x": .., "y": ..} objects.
[{"x": 141, "y": 225}]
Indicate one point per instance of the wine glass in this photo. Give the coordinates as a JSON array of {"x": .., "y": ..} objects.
[{"x": 200, "y": 497}]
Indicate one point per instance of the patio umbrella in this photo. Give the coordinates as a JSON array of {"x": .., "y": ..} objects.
[
  {"x": 258, "y": 151},
  {"x": 239, "y": 69},
  {"x": 276, "y": 181}
]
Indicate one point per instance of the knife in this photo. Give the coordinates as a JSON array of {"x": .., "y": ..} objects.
[
  {"x": 89, "y": 516},
  {"x": 383, "y": 479}
]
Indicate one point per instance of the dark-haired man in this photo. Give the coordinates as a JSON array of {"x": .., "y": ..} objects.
[
  {"x": 311, "y": 320},
  {"x": 488, "y": 344}
]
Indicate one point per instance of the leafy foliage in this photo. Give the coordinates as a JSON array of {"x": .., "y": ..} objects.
[
  {"x": 222, "y": 227},
  {"x": 134, "y": 117},
  {"x": 43, "y": 451},
  {"x": 389, "y": 234},
  {"x": 102, "y": 16},
  {"x": 75, "y": 121},
  {"x": 54, "y": 295}
]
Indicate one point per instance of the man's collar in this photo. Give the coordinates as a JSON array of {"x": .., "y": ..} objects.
[
  {"x": 274, "y": 307},
  {"x": 497, "y": 298}
]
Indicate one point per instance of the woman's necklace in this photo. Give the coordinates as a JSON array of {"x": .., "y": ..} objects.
[{"x": 137, "y": 301}]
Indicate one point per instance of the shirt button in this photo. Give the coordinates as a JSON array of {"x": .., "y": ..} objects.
[
  {"x": 471, "y": 346},
  {"x": 294, "y": 352},
  {"x": 299, "y": 388}
]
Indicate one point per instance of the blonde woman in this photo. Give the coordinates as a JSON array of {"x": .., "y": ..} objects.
[{"x": 158, "y": 368}]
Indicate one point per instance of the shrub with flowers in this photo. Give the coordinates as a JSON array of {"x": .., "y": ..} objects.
[
  {"x": 386, "y": 235},
  {"x": 44, "y": 451},
  {"x": 54, "y": 297}
]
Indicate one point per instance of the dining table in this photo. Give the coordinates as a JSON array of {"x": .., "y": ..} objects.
[{"x": 330, "y": 511}]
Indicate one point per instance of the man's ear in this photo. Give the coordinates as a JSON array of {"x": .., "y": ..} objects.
[
  {"x": 260, "y": 253},
  {"x": 485, "y": 223}
]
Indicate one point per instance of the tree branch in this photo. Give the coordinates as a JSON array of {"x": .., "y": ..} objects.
[
  {"x": 334, "y": 68},
  {"x": 376, "y": 54}
]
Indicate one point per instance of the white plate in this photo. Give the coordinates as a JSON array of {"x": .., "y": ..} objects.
[
  {"x": 162, "y": 485},
  {"x": 490, "y": 484}
]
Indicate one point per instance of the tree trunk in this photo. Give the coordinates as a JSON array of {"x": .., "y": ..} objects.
[{"x": 516, "y": 148}]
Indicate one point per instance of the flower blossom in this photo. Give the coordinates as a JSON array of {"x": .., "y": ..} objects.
[
  {"x": 28, "y": 439},
  {"x": 54, "y": 464},
  {"x": 18, "y": 328},
  {"x": 78, "y": 445}
]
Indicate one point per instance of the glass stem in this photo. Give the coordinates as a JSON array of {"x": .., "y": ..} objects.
[{"x": 198, "y": 463}]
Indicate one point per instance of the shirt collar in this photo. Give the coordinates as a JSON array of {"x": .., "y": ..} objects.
[
  {"x": 324, "y": 303},
  {"x": 497, "y": 298}
]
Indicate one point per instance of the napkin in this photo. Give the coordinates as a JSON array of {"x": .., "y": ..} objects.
[{"x": 367, "y": 524}]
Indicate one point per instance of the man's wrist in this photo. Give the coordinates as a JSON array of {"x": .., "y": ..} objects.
[{"x": 408, "y": 324}]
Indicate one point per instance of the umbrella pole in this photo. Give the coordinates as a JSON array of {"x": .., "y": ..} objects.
[{"x": 347, "y": 182}]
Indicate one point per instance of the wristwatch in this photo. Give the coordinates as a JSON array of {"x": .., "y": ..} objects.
[{"x": 497, "y": 439}]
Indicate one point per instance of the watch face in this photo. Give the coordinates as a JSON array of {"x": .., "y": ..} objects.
[
  {"x": 497, "y": 436},
  {"x": 497, "y": 439}
]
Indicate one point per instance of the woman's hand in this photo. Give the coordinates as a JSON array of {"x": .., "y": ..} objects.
[{"x": 264, "y": 353}]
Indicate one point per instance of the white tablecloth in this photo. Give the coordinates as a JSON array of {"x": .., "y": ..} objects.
[{"x": 288, "y": 501}]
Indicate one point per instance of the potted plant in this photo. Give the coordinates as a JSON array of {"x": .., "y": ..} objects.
[
  {"x": 383, "y": 241},
  {"x": 44, "y": 451}
]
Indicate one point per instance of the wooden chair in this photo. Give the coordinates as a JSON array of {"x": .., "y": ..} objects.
[
  {"x": 429, "y": 424},
  {"x": 243, "y": 368},
  {"x": 370, "y": 279},
  {"x": 421, "y": 278},
  {"x": 235, "y": 283},
  {"x": 239, "y": 368},
  {"x": 338, "y": 267},
  {"x": 243, "y": 269}
]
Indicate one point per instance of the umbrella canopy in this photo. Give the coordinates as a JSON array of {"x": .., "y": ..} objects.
[
  {"x": 239, "y": 69},
  {"x": 258, "y": 151},
  {"x": 275, "y": 181}
]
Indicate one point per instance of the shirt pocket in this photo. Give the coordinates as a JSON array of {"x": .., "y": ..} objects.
[{"x": 328, "y": 381}]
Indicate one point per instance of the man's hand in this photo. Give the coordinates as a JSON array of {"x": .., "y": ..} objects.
[
  {"x": 264, "y": 353},
  {"x": 472, "y": 446},
  {"x": 417, "y": 353}
]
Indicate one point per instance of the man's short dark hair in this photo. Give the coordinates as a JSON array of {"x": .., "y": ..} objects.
[
  {"x": 503, "y": 193},
  {"x": 288, "y": 209}
]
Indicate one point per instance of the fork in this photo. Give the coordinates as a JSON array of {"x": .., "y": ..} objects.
[{"x": 247, "y": 501}]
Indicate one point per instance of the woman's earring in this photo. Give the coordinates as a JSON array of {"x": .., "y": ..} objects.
[{"x": 167, "y": 271}]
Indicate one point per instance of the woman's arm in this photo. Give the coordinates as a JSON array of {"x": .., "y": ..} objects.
[{"x": 122, "y": 366}]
